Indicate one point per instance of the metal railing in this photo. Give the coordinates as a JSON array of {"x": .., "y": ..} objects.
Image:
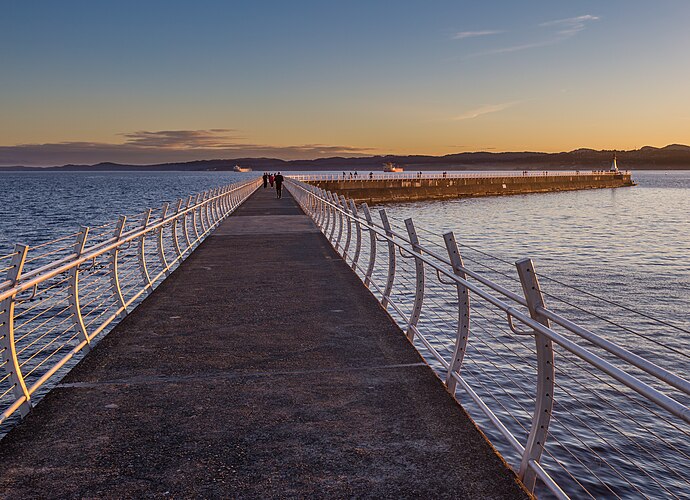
[
  {"x": 56, "y": 298},
  {"x": 378, "y": 176},
  {"x": 573, "y": 413}
]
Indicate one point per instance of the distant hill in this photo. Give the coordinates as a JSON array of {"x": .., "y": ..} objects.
[{"x": 673, "y": 156}]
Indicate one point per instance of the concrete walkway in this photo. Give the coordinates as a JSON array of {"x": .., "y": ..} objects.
[{"x": 261, "y": 368}]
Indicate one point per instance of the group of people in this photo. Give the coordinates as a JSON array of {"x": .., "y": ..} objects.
[
  {"x": 354, "y": 175},
  {"x": 276, "y": 179}
]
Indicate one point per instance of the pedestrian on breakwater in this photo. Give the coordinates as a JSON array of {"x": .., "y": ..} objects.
[
  {"x": 265, "y": 177},
  {"x": 279, "y": 185},
  {"x": 271, "y": 179}
]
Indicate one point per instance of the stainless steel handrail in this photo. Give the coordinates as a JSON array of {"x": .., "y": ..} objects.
[
  {"x": 314, "y": 201},
  {"x": 111, "y": 302}
]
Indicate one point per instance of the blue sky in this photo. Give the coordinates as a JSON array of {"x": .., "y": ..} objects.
[{"x": 165, "y": 81}]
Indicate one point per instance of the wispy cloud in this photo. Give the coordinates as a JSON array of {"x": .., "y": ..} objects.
[
  {"x": 517, "y": 48},
  {"x": 471, "y": 34},
  {"x": 556, "y": 31},
  {"x": 166, "y": 146},
  {"x": 570, "y": 26},
  {"x": 485, "y": 110}
]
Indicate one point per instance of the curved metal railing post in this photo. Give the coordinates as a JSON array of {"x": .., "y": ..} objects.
[
  {"x": 205, "y": 212},
  {"x": 226, "y": 201},
  {"x": 218, "y": 205},
  {"x": 419, "y": 279},
  {"x": 341, "y": 222},
  {"x": 210, "y": 209},
  {"x": 114, "y": 274},
  {"x": 176, "y": 243},
  {"x": 185, "y": 229},
  {"x": 391, "y": 259},
  {"x": 463, "y": 312},
  {"x": 200, "y": 207},
  {"x": 161, "y": 243},
  {"x": 322, "y": 208},
  {"x": 141, "y": 252},
  {"x": 22, "y": 398},
  {"x": 348, "y": 236},
  {"x": 543, "y": 405},
  {"x": 334, "y": 216},
  {"x": 215, "y": 217},
  {"x": 358, "y": 227},
  {"x": 327, "y": 209},
  {"x": 314, "y": 203},
  {"x": 372, "y": 245},
  {"x": 73, "y": 291},
  {"x": 317, "y": 208},
  {"x": 194, "y": 218}
]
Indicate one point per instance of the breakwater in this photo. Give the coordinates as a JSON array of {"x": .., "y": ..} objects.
[{"x": 378, "y": 188}]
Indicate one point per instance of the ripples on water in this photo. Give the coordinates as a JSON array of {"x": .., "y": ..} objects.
[
  {"x": 39, "y": 206},
  {"x": 630, "y": 245},
  {"x": 627, "y": 245}
]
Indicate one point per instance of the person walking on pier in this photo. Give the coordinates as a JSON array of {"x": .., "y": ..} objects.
[
  {"x": 271, "y": 178},
  {"x": 265, "y": 178},
  {"x": 279, "y": 185}
]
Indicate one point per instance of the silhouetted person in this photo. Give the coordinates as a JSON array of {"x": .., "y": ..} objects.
[
  {"x": 271, "y": 179},
  {"x": 279, "y": 185},
  {"x": 265, "y": 180}
]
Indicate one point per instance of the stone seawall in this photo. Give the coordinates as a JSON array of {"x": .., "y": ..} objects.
[{"x": 392, "y": 190}]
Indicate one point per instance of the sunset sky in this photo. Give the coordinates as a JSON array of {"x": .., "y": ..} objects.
[{"x": 157, "y": 81}]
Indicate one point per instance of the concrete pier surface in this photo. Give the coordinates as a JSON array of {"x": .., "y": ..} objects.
[
  {"x": 262, "y": 367},
  {"x": 419, "y": 189}
]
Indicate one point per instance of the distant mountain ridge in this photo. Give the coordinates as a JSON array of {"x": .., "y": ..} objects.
[{"x": 673, "y": 156}]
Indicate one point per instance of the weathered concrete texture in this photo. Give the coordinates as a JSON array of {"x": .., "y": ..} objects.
[
  {"x": 391, "y": 190},
  {"x": 261, "y": 368}
]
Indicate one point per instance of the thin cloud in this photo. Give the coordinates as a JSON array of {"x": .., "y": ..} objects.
[
  {"x": 485, "y": 110},
  {"x": 517, "y": 48},
  {"x": 572, "y": 25},
  {"x": 558, "y": 31},
  {"x": 146, "y": 147},
  {"x": 471, "y": 34},
  {"x": 211, "y": 138}
]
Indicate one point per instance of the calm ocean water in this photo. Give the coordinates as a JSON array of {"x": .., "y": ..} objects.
[
  {"x": 629, "y": 245},
  {"x": 39, "y": 206},
  {"x": 612, "y": 260}
]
